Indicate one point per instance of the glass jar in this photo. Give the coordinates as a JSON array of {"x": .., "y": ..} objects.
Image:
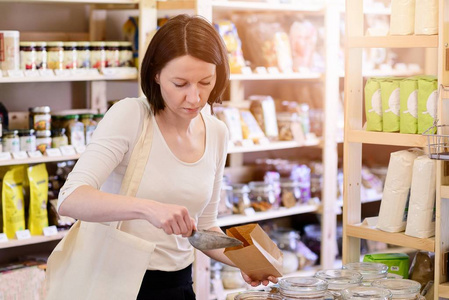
[
  {"x": 112, "y": 54},
  {"x": 83, "y": 57},
  {"x": 98, "y": 117},
  {"x": 366, "y": 292},
  {"x": 240, "y": 198},
  {"x": 58, "y": 138},
  {"x": 302, "y": 288},
  {"x": 369, "y": 271},
  {"x": 41, "y": 55},
  {"x": 27, "y": 140},
  {"x": 126, "y": 54},
  {"x": 225, "y": 205},
  {"x": 70, "y": 55},
  {"x": 262, "y": 195},
  {"x": 28, "y": 55},
  {"x": 232, "y": 277},
  {"x": 43, "y": 140},
  {"x": 288, "y": 241},
  {"x": 11, "y": 141},
  {"x": 256, "y": 295},
  {"x": 74, "y": 129},
  {"x": 40, "y": 118},
  {"x": 56, "y": 121},
  {"x": 289, "y": 126},
  {"x": 404, "y": 289},
  {"x": 55, "y": 55},
  {"x": 89, "y": 126},
  {"x": 97, "y": 55},
  {"x": 339, "y": 279},
  {"x": 290, "y": 192}
]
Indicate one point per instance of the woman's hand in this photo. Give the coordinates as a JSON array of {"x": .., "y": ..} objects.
[
  {"x": 255, "y": 283},
  {"x": 173, "y": 219}
]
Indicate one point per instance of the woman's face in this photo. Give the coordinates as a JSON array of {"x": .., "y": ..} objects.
[{"x": 186, "y": 83}]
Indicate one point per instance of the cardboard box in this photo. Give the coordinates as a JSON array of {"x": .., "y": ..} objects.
[{"x": 259, "y": 257}]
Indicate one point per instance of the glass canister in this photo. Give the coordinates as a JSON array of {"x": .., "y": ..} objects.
[
  {"x": 290, "y": 192},
  {"x": 112, "y": 54},
  {"x": 256, "y": 295},
  {"x": 404, "y": 289},
  {"x": 89, "y": 126},
  {"x": 58, "y": 138},
  {"x": 302, "y": 288},
  {"x": 27, "y": 140},
  {"x": 225, "y": 206},
  {"x": 126, "y": 54},
  {"x": 232, "y": 277},
  {"x": 43, "y": 140},
  {"x": 70, "y": 55},
  {"x": 339, "y": 280},
  {"x": 240, "y": 197},
  {"x": 369, "y": 271},
  {"x": 28, "y": 55},
  {"x": 366, "y": 293},
  {"x": 40, "y": 118},
  {"x": 74, "y": 129},
  {"x": 262, "y": 195},
  {"x": 97, "y": 55},
  {"x": 83, "y": 57},
  {"x": 55, "y": 55},
  {"x": 41, "y": 55},
  {"x": 11, "y": 141}
]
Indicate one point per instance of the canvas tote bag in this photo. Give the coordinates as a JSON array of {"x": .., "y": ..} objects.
[{"x": 97, "y": 261}]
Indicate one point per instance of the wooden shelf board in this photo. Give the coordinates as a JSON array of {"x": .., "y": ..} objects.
[
  {"x": 76, "y": 1},
  {"x": 35, "y": 239},
  {"x": 397, "y": 41},
  {"x": 380, "y": 73},
  {"x": 39, "y": 160},
  {"x": 176, "y": 4},
  {"x": 443, "y": 290},
  {"x": 271, "y": 214},
  {"x": 397, "y": 238},
  {"x": 386, "y": 138},
  {"x": 65, "y": 79},
  {"x": 273, "y": 146},
  {"x": 261, "y": 6},
  {"x": 280, "y": 76},
  {"x": 444, "y": 191}
]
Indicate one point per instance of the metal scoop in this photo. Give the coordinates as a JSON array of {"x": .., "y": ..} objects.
[{"x": 209, "y": 240}]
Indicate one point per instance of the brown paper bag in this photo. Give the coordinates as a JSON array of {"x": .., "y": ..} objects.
[{"x": 259, "y": 257}]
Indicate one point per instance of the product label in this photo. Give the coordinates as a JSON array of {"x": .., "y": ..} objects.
[
  {"x": 11, "y": 144},
  {"x": 19, "y": 155},
  {"x": 67, "y": 150},
  {"x": 28, "y": 143},
  {"x": 98, "y": 59},
  {"x": 23, "y": 234},
  {"x": 3, "y": 238},
  {"x": 50, "y": 230},
  {"x": 28, "y": 60},
  {"x": 55, "y": 60},
  {"x": 2, "y": 47},
  {"x": 53, "y": 152},
  {"x": 42, "y": 122},
  {"x": 35, "y": 154},
  {"x": 83, "y": 60},
  {"x": 70, "y": 59}
]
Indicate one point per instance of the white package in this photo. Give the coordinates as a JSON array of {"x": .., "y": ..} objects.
[
  {"x": 426, "y": 17},
  {"x": 393, "y": 207},
  {"x": 421, "y": 217},
  {"x": 402, "y": 19}
]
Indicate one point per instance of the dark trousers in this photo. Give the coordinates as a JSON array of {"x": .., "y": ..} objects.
[{"x": 161, "y": 285}]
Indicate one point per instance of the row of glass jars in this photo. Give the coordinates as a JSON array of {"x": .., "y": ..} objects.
[{"x": 75, "y": 55}]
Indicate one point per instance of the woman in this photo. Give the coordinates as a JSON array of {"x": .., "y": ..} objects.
[{"x": 185, "y": 68}]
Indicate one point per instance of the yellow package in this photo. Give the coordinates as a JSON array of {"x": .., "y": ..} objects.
[
  {"x": 38, "y": 217},
  {"x": 12, "y": 201}
]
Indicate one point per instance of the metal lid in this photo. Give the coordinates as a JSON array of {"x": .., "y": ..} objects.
[
  {"x": 40, "y": 109},
  {"x": 27, "y": 44},
  {"x": 55, "y": 44},
  {"x": 84, "y": 44},
  {"x": 43, "y": 133},
  {"x": 26, "y": 132},
  {"x": 97, "y": 44},
  {"x": 70, "y": 44}
]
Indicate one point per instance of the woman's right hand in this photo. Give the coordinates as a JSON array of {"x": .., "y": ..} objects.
[{"x": 172, "y": 218}]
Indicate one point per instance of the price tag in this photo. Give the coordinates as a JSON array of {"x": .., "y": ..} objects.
[
  {"x": 247, "y": 71},
  {"x": 264, "y": 141},
  {"x": 249, "y": 211},
  {"x": 110, "y": 71},
  {"x": 63, "y": 73},
  {"x": 23, "y": 234},
  {"x": 50, "y": 230},
  {"x": 80, "y": 72},
  {"x": 67, "y": 150},
  {"x": 35, "y": 154},
  {"x": 1, "y": 74},
  {"x": 247, "y": 143},
  {"x": 80, "y": 149},
  {"x": 47, "y": 73},
  {"x": 15, "y": 73},
  {"x": 261, "y": 70},
  {"x": 31, "y": 73},
  {"x": 3, "y": 238},
  {"x": 273, "y": 70},
  {"x": 20, "y": 155},
  {"x": 93, "y": 72},
  {"x": 5, "y": 156},
  {"x": 53, "y": 152}
]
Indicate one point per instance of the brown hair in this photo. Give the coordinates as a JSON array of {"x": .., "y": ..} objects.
[{"x": 183, "y": 35}]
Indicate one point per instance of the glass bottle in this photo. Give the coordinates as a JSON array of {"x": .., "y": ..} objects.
[
  {"x": 262, "y": 195},
  {"x": 369, "y": 271},
  {"x": 97, "y": 55},
  {"x": 74, "y": 129},
  {"x": 404, "y": 289},
  {"x": 256, "y": 295},
  {"x": 83, "y": 57},
  {"x": 339, "y": 279},
  {"x": 27, "y": 140},
  {"x": 41, "y": 55},
  {"x": 28, "y": 55},
  {"x": 366, "y": 292},
  {"x": 126, "y": 54},
  {"x": 302, "y": 288},
  {"x": 55, "y": 55},
  {"x": 112, "y": 54},
  {"x": 70, "y": 55},
  {"x": 40, "y": 118},
  {"x": 43, "y": 140},
  {"x": 240, "y": 197}
]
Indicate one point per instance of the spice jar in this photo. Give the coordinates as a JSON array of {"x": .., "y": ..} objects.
[
  {"x": 262, "y": 195},
  {"x": 369, "y": 271},
  {"x": 126, "y": 54},
  {"x": 302, "y": 288},
  {"x": 58, "y": 138},
  {"x": 70, "y": 55},
  {"x": 41, "y": 55},
  {"x": 55, "y": 55},
  {"x": 40, "y": 118},
  {"x": 404, "y": 289},
  {"x": 97, "y": 55},
  {"x": 89, "y": 126},
  {"x": 74, "y": 129},
  {"x": 27, "y": 139},
  {"x": 290, "y": 192},
  {"x": 98, "y": 117},
  {"x": 28, "y": 55},
  {"x": 339, "y": 280},
  {"x": 43, "y": 140},
  {"x": 83, "y": 57},
  {"x": 255, "y": 295},
  {"x": 10, "y": 141},
  {"x": 366, "y": 292},
  {"x": 240, "y": 198},
  {"x": 112, "y": 54}
]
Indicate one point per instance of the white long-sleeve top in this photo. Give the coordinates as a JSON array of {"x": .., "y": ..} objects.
[{"x": 166, "y": 178}]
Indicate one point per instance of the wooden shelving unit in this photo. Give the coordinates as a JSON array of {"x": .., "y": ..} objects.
[{"x": 35, "y": 239}]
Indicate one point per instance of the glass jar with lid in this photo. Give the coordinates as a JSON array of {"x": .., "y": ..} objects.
[
  {"x": 98, "y": 117},
  {"x": 366, "y": 292},
  {"x": 41, "y": 55},
  {"x": 89, "y": 126},
  {"x": 97, "y": 55},
  {"x": 11, "y": 141},
  {"x": 262, "y": 195},
  {"x": 339, "y": 279},
  {"x": 292, "y": 288},
  {"x": 240, "y": 197},
  {"x": 58, "y": 138},
  {"x": 225, "y": 206},
  {"x": 28, "y": 55},
  {"x": 74, "y": 129},
  {"x": 112, "y": 54},
  {"x": 40, "y": 118},
  {"x": 370, "y": 271},
  {"x": 55, "y": 55},
  {"x": 126, "y": 54},
  {"x": 27, "y": 140},
  {"x": 83, "y": 57},
  {"x": 70, "y": 55},
  {"x": 404, "y": 289},
  {"x": 257, "y": 295},
  {"x": 43, "y": 140},
  {"x": 290, "y": 192}
]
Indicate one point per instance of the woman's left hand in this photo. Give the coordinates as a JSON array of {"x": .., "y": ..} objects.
[{"x": 255, "y": 283}]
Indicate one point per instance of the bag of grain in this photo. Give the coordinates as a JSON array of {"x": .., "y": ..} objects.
[
  {"x": 427, "y": 102},
  {"x": 389, "y": 91},
  {"x": 402, "y": 19},
  {"x": 373, "y": 105},
  {"x": 408, "y": 96}
]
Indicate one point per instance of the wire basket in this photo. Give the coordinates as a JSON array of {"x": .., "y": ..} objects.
[{"x": 438, "y": 143}]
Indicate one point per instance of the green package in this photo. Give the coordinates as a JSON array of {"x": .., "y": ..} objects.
[
  {"x": 373, "y": 105},
  {"x": 398, "y": 263},
  {"x": 427, "y": 103},
  {"x": 408, "y": 96},
  {"x": 389, "y": 91}
]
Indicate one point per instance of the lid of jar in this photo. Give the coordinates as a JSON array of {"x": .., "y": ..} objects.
[
  {"x": 11, "y": 132},
  {"x": 70, "y": 44},
  {"x": 55, "y": 44},
  {"x": 302, "y": 284},
  {"x": 71, "y": 117},
  {"x": 287, "y": 182},
  {"x": 97, "y": 44},
  {"x": 398, "y": 286},
  {"x": 257, "y": 295},
  {"x": 26, "y": 132},
  {"x": 41, "y": 44},
  {"x": 125, "y": 44},
  {"x": 340, "y": 276},
  {"x": 43, "y": 133},
  {"x": 40, "y": 109},
  {"x": 112, "y": 44},
  {"x": 86, "y": 116},
  {"x": 261, "y": 186},
  {"x": 98, "y": 115},
  {"x": 366, "y": 292},
  {"x": 57, "y": 132},
  {"x": 27, "y": 44},
  {"x": 368, "y": 270},
  {"x": 84, "y": 44},
  {"x": 240, "y": 188}
]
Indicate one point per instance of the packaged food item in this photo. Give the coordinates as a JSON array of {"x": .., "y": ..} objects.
[
  {"x": 55, "y": 55},
  {"x": 240, "y": 198},
  {"x": 262, "y": 195},
  {"x": 250, "y": 127},
  {"x": 9, "y": 50},
  {"x": 126, "y": 54},
  {"x": 58, "y": 138},
  {"x": 398, "y": 263},
  {"x": 228, "y": 32},
  {"x": 28, "y": 55},
  {"x": 373, "y": 105},
  {"x": 290, "y": 127},
  {"x": 131, "y": 33},
  {"x": 38, "y": 180},
  {"x": 112, "y": 54},
  {"x": 74, "y": 129},
  {"x": 426, "y": 17},
  {"x": 231, "y": 117},
  {"x": 389, "y": 90},
  {"x": 43, "y": 140},
  {"x": 283, "y": 52},
  {"x": 290, "y": 192},
  {"x": 13, "y": 201},
  {"x": 11, "y": 141},
  {"x": 83, "y": 55},
  {"x": 89, "y": 126},
  {"x": 427, "y": 103},
  {"x": 70, "y": 55},
  {"x": 27, "y": 140},
  {"x": 408, "y": 95},
  {"x": 40, "y": 118},
  {"x": 402, "y": 19},
  {"x": 422, "y": 268},
  {"x": 303, "y": 40},
  {"x": 264, "y": 111},
  {"x": 41, "y": 55},
  {"x": 98, "y": 55}
]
